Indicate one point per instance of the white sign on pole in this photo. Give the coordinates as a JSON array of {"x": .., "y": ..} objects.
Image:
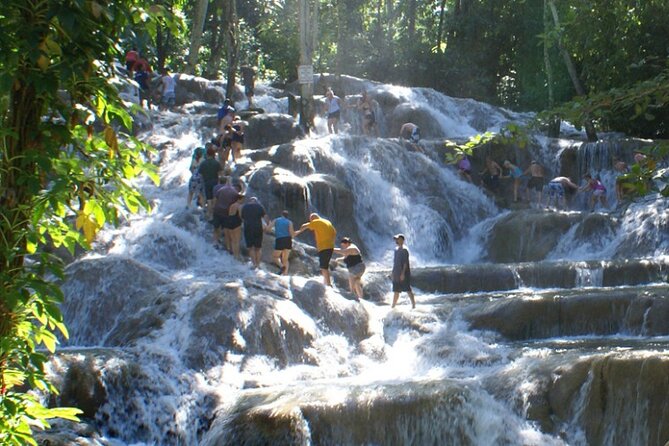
[{"x": 305, "y": 74}]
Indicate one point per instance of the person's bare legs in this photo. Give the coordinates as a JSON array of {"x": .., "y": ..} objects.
[
  {"x": 284, "y": 260},
  {"x": 235, "y": 242},
  {"x": 256, "y": 254},
  {"x": 276, "y": 258},
  {"x": 326, "y": 277},
  {"x": 210, "y": 209},
  {"x": 227, "y": 239},
  {"x": 413, "y": 299},
  {"x": 357, "y": 287},
  {"x": 396, "y": 296}
]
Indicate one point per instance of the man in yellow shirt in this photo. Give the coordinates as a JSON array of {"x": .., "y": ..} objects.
[{"x": 325, "y": 235}]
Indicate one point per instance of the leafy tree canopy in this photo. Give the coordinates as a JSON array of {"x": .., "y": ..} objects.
[{"x": 67, "y": 165}]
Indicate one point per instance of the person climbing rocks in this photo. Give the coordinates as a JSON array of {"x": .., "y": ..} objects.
[
  {"x": 411, "y": 133},
  {"x": 325, "y": 235},
  {"x": 225, "y": 195},
  {"x": 597, "y": 191},
  {"x": 366, "y": 108},
  {"x": 283, "y": 241},
  {"x": 465, "y": 168},
  {"x": 490, "y": 174},
  {"x": 233, "y": 227},
  {"x": 401, "y": 274},
  {"x": 624, "y": 187},
  {"x": 225, "y": 115},
  {"x": 557, "y": 189},
  {"x": 131, "y": 58},
  {"x": 168, "y": 89},
  {"x": 249, "y": 81},
  {"x": 352, "y": 258},
  {"x": 237, "y": 138},
  {"x": 254, "y": 218},
  {"x": 210, "y": 170},
  {"x": 142, "y": 79},
  {"x": 516, "y": 174},
  {"x": 333, "y": 107},
  {"x": 195, "y": 184},
  {"x": 536, "y": 181}
]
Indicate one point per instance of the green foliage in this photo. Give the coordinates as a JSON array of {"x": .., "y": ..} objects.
[
  {"x": 645, "y": 176},
  {"x": 509, "y": 134},
  {"x": 65, "y": 171}
]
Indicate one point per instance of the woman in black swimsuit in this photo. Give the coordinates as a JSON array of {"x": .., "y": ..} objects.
[
  {"x": 356, "y": 267},
  {"x": 366, "y": 108}
]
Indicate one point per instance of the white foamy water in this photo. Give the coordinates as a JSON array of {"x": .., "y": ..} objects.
[{"x": 185, "y": 378}]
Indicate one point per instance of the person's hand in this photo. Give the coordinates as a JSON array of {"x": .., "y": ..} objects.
[{"x": 402, "y": 277}]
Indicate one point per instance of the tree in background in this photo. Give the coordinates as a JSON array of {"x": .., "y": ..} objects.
[{"x": 65, "y": 171}]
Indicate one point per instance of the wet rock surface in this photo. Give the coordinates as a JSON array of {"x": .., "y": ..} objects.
[
  {"x": 269, "y": 129},
  {"x": 125, "y": 288},
  {"x": 527, "y": 235},
  {"x": 577, "y": 313}
]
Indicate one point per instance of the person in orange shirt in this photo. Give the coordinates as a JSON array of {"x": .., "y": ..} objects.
[{"x": 325, "y": 235}]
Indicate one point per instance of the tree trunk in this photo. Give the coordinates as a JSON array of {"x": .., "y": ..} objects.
[
  {"x": 411, "y": 20},
  {"x": 553, "y": 123},
  {"x": 213, "y": 67},
  {"x": 578, "y": 86},
  {"x": 440, "y": 30},
  {"x": 199, "y": 16},
  {"x": 308, "y": 31},
  {"x": 231, "y": 44}
]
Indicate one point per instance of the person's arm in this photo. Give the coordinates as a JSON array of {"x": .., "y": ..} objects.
[
  {"x": 291, "y": 231},
  {"x": 270, "y": 226},
  {"x": 303, "y": 228},
  {"x": 345, "y": 252}
]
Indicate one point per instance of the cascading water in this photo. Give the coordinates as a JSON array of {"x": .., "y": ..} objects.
[{"x": 175, "y": 343}]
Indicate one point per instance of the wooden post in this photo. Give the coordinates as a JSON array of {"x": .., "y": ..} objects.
[{"x": 308, "y": 32}]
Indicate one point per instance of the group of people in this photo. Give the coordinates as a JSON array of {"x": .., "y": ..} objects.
[
  {"x": 366, "y": 108},
  {"x": 161, "y": 90},
  {"x": 232, "y": 215},
  {"x": 533, "y": 181}
]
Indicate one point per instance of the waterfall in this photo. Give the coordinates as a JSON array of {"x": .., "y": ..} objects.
[{"x": 523, "y": 316}]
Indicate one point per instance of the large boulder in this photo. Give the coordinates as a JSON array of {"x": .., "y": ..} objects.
[
  {"x": 339, "y": 315},
  {"x": 576, "y": 313},
  {"x": 113, "y": 301},
  {"x": 524, "y": 236},
  {"x": 614, "y": 399},
  {"x": 421, "y": 116},
  {"x": 270, "y": 129},
  {"x": 189, "y": 88},
  {"x": 251, "y": 322},
  {"x": 80, "y": 383},
  {"x": 280, "y": 189}
]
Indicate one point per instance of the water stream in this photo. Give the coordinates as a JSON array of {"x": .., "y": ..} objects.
[{"x": 189, "y": 346}]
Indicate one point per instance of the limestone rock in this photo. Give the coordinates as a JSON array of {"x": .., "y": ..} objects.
[
  {"x": 225, "y": 320},
  {"x": 338, "y": 314},
  {"x": 270, "y": 129},
  {"x": 525, "y": 236},
  {"x": 123, "y": 289},
  {"x": 405, "y": 112}
]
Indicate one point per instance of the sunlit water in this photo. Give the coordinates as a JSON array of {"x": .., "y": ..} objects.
[{"x": 154, "y": 398}]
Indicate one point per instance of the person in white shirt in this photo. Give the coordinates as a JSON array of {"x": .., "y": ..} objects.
[
  {"x": 333, "y": 108},
  {"x": 168, "y": 89}
]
